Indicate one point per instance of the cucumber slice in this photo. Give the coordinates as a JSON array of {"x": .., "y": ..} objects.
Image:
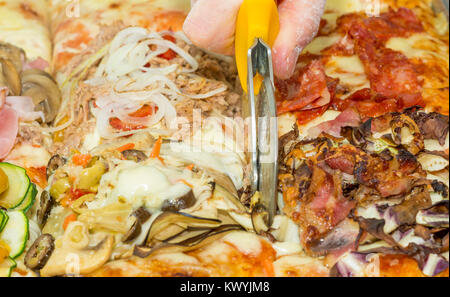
[
  {"x": 15, "y": 233},
  {"x": 6, "y": 267},
  {"x": 19, "y": 183},
  {"x": 3, "y": 219},
  {"x": 28, "y": 202}
]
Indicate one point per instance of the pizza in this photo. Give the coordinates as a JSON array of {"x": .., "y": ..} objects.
[{"x": 123, "y": 148}]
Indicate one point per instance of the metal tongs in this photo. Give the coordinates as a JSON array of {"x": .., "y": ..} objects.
[{"x": 257, "y": 28}]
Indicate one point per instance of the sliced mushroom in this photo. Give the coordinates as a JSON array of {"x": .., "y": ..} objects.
[
  {"x": 54, "y": 163},
  {"x": 13, "y": 53},
  {"x": 72, "y": 258},
  {"x": 44, "y": 91},
  {"x": 39, "y": 253},
  {"x": 183, "y": 202},
  {"x": 134, "y": 155},
  {"x": 10, "y": 77},
  {"x": 45, "y": 207}
]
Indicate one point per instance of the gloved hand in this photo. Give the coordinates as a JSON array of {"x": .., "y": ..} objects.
[{"x": 211, "y": 24}]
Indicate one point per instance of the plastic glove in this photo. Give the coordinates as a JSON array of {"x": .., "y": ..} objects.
[{"x": 211, "y": 24}]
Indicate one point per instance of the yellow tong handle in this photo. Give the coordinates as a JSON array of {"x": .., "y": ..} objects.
[{"x": 256, "y": 19}]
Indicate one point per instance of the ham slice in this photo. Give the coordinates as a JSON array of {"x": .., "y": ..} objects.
[
  {"x": 8, "y": 130},
  {"x": 348, "y": 118},
  {"x": 24, "y": 107}
]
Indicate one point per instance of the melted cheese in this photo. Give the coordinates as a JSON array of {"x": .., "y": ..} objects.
[
  {"x": 26, "y": 29},
  {"x": 320, "y": 43},
  {"x": 91, "y": 141},
  {"x": 428, "y": 51},
  {"x": 286, "y": 248},
  {"x": 329, "y": 115},
  {"x": 246, "y": 243},
  {"x": 286, "y": 123},
  {"x": 336, "y": 8},
  {"x": 285, "y": 230},
  {"x": 27, "y": 155},
  {"x": 420, "y": 45},
  {"x": 142, "y": 183},
  {"x": 212, "y": 148},
  {"x": 349, "y": 70}
]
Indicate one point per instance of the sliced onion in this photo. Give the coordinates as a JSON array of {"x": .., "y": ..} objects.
[
  {"x": 209, "y": 94},
  {"x": 351, "y": 265},
  {"x": 434, "y": 265},
  {"x": 432, "y": 219}
]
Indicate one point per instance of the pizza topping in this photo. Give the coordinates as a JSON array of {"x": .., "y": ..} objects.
[
  {"x": 435, "y": 217},
  {"x": 10, "y": 77},
  {"x": 306, "y": 90},
  {"x": 394, "y": 23},
  {"x": 432, "y": 125},
  {"x": 342, "y": 238},
  {"x": 434, "y": 265},
  {"x": 348, "y": 118},
  {"x": 93, "y": 251},
  {"x": 367, "y": 177},
  {"x": 39, "y": 253},
  {"x": 42, "y": 88},
  {"x": 141, "y": 215},
  {"x": 54, "y": 163},
  {"x": 134, "y": 155},
  {"x": 8, "y": 130},
  {"x": 176, "y": 204},
  {"x": 46, "y": 204},
  {"x": 38, "y": 63},
  {"x": 354, "y": 264}
]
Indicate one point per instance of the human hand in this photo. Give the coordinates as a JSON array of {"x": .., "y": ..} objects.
[{"x": 211, "y": 24}]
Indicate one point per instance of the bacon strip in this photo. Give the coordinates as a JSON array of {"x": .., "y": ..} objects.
[
  {"x": 306, "y": 90},
  {"x": 349, "y": 118},
  {"x": 324, "y": 207},
  {"x": 394, "y": 79},
  {"x": 400, "y": 23}
]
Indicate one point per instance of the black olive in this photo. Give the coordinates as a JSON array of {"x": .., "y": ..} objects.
[
  {"x": 39, "y": 253},
  {"x": 180, "y": 203},
  {"x": 45, "y": 206},
  {"x": 134, "y": 155},
  {"x": 55, "y": 162}
]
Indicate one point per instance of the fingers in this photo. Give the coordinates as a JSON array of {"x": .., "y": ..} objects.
[
  {"x": 211, "y": 24},
  {"x": 299, "y": 22}
]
